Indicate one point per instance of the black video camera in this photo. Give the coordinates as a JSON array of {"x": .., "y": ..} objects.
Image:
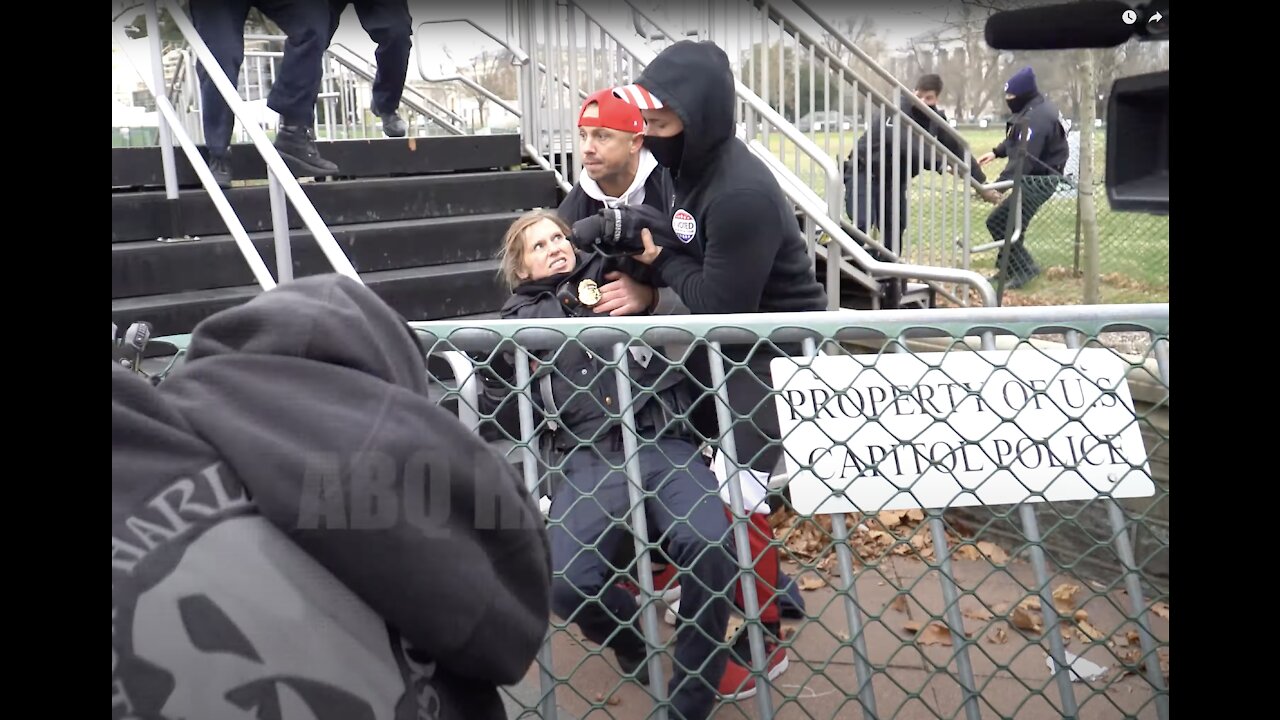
[
  {"x": 615, "y": 232},
  {"x": 1138, "y": 111}
]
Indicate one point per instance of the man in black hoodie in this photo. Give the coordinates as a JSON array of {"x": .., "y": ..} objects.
[
  {"x": 1036, "y": 144},
  {"x": 740, "y": 251},
  {"x": 866, "y": 213},
  {"x": 284, "y": 509}
]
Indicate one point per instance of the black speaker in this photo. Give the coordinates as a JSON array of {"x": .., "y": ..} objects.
[{"x": 1138, "y": 144}]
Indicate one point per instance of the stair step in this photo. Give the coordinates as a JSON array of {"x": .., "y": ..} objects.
[
  {"x": 147, "y": 267},
  {"x": 430, "y": 293},
  {"x": 147, "y": 215},
  {"x": 380, "y": 157}
]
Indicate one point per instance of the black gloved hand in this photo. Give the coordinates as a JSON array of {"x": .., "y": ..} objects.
[{"x": 615, "y": 232}]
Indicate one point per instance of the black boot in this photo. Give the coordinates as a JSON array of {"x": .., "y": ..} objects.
[
  {"x": 221, "y": 169},
  {"x": 297, "y": 145},
  {"x": 639, "y": 665}
]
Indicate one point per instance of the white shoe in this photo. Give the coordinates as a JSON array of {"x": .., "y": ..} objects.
[{"x": 673, "y": 612}]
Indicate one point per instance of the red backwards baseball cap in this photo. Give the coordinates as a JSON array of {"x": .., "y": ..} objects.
[{"x": 612, "y": 113}]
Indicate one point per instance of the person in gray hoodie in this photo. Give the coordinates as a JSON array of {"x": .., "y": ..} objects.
[{"x": 296, "y": 527}]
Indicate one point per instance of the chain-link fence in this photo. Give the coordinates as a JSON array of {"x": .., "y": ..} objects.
[
  {"x": 1133, "y": 248},
  {"x": 963, "y": 515}
]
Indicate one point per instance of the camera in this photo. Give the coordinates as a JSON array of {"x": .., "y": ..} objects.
[
  {"x": 615, "y": 232},
  {"x": 1138, "y": 111}
]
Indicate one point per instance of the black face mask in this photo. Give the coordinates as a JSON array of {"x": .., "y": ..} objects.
[
  {"x": 666, "y": 150},
  {"x": 1019, "y": 102}
]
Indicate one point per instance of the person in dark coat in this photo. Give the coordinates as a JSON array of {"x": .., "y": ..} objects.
[
  {"x": 1036, "y": 144},
  {"x": 296, "y": 524},
  {"x": 590, "y": 509}
]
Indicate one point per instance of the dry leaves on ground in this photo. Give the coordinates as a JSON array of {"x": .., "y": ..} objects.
[
  {"x": 935, "y": 633},
  {"x": 998, "y": 636},
  {"x": 900, "y": 532}
]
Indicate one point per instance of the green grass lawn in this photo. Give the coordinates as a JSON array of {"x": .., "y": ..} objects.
[{"x": 1133, "y": 247}]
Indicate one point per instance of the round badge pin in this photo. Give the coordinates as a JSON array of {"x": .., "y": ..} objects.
[
  {"x": 588, "y": 292},
  {"x": 684, "y": 225}
]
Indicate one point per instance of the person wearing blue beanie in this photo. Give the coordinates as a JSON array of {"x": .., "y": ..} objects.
[{"x": 1036, "y": 144}]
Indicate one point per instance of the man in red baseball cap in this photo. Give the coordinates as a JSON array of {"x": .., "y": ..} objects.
[{"x": 618, "y": 170}]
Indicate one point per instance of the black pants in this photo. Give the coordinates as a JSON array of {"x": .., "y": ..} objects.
[
  {"x": 756, "y": 434},
  {"x": 866, "y": 215},
  {"x": 293, "y": 96},
  {"x": 1036, "y": 189},
  {"x": 590, "y": 520},
  {"x": 868, "y": 210},
  {"x": 388, "y": 24}
]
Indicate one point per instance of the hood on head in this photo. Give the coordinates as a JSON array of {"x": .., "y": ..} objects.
[
  {"x": 695, "y": 80},
  {"x": 328, "y": 318}
]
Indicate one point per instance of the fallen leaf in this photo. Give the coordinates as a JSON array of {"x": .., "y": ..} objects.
[
  {"x": 998, "y": 637},
  {"x": 891, "y": 518},
  {"x": 1088, "y": 632},
  {"x": 880, "y": 537},
  {"x": 1081, "y": 615},
  {"x": 994, "y": 552},
  {"x": 1025, "y": 620},
  {"x": 1064, "y": 598},
  {"x": 968, "y": 552},
  {"x": 912, "y": 626},
  {"x": 1161, "y": 609},
  {"x": 935, "y": 634},
  {"x": 1133, "y": 637},
  {"x": 899, "y": 603},
  {"x": 1001, "y": 609},
  {"x": 980, "y": 613},
  {"x": 1066, "y": 631},
  {"x": 811, "y": 582},
  {"x": 920, "y": 541},
  {"x": 614, "y": 699},
  {"x": 915, "y": 515},
  {"x": 788, "y": 632},
  {"x": 1031, "y": 602}
]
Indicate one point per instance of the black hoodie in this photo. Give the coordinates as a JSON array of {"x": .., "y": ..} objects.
[
  {"x": 295, "y": 524},
  {"x": 867, "y": 151},
  {"x": 747, "y": 253}
]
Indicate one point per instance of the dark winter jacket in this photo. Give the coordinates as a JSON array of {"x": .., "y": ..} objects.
[
  {"x": 1047, "y": 149},
  {"x": 295, "y": 524},
  {"x": 867, "y": 151},
  {"x": 574, "y": 382},
  {"x": 745, "y": 249}
]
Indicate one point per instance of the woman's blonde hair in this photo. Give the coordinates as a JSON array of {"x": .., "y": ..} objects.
[{"x": 511, "y": 256}]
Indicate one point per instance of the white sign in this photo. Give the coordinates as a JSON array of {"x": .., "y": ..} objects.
[{"x": 864, "y": 433}]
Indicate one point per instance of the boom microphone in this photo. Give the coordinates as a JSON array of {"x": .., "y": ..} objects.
[{"x": 1100, "y": 24}]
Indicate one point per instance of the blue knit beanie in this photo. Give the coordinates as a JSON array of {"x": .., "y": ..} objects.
[{"x": 1022, "y": 82}]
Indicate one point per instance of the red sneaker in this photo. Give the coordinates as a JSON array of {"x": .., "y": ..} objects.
[{"x": 736, "y": 683}]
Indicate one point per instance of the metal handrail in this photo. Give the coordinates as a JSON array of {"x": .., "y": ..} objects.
[
  {"x": 830, "y": 220},
  {"x": 852, "y": 76},
  {"x": 875, "y": 267},
  {"x": 275, "y": 164},
  {"x": 545, "y": 164},
  {"x": 835, "y": 181},
  {"x": 516, "y": 53},
  {"x": 251, "y": 255},
  {"x": 363, "y": 72}
]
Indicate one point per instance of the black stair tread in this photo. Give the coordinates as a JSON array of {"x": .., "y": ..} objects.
[
  {"x": 372, "y": 157},
  {"x": 246, "y": 291},
  {"x": 435, "y": 292},
  {"x": 419, "y": 223},
  {"x": 147, "y": 215}
]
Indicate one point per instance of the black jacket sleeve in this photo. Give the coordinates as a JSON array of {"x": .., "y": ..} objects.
[
  {"x": 951, "y": 141},
  {"x": 743, "y": 236}
]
